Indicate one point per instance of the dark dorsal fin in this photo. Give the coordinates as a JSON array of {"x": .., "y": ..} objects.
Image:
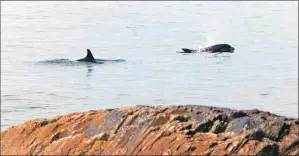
[{"x": 89, "y": 55}]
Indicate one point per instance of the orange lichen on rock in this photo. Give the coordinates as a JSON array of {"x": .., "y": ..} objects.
[{"x": 144, "y": 130}]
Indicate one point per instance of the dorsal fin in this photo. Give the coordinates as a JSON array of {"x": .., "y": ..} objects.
[{"x": 89, "y": 55}]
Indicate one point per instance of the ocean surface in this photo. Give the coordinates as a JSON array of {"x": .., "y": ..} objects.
[{"x": 40, "y": 42}]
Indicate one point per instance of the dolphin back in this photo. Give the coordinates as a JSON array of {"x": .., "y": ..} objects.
[{"x": 218, "y": 48}]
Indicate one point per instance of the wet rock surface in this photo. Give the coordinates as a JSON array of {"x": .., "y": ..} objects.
[{"x": 144, "y": 130}]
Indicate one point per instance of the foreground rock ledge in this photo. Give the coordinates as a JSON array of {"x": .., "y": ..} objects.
[{"x": 173, "y": 130}]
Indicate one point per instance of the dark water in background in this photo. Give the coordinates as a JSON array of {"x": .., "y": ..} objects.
[{"x": 262, "y": 73}]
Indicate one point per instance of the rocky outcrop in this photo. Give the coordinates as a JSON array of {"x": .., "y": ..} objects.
[{"x": 173, "y": 130}]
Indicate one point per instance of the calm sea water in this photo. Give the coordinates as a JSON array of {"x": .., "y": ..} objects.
[{"x": 262, "y": 73}]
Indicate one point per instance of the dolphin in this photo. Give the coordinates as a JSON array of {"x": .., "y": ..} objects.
[
  {"x": 89, "y": 58},
  {"x": 217, "y": 48}
]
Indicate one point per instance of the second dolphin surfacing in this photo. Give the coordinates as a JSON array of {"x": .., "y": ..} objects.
[{"x": 217, "y": 48}]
